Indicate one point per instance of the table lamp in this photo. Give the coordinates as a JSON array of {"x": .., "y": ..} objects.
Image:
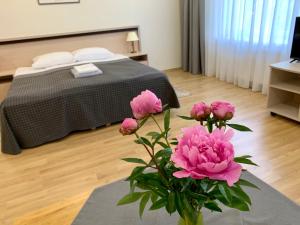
[{"x": 132, "y": 37}]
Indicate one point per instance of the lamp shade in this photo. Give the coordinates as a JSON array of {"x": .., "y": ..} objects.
[{"x": 132, "y": 36}]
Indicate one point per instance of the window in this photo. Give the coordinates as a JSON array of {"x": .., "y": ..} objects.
[{"x": 257, "y": 21}]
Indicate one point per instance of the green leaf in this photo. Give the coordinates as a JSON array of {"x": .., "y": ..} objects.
[
  {"x": 178, "y": 204},
  {"x": 238, "y": 127},
  {"x": 186, "y": 184},
  {"x": 188, "y": 210},
  {"x": 212, "y": 205},
  {"x": 186, "y": 117},
  {"x": 130, "y": 198},
  {"x": 246, "y": 156},
  {"x": 244, "y": 161},
  {"x": 174, "y": 143},
  {"x": 209, "y": 126},
  {"x": 154, "y": 197},
  {"x": 146, "y": 142},
  {"x": 132, "y": 185},
  {"x": 158, "y": 138},
  {"x": 153, "y": 182},
  {"x": 199, "y": 197},
  {"x": 239, "y": 204},
  {"x": 225, "y": 192},
  {"x": 159, "y": 204},
  {"x": 155, "y": 190},
  {"x": 135, "y": 160},
  {"x": 240, "y": 194},
  {"x": 144, "y": 202},
  {"x": 243, "y": 182},
  {"x": 167, "y": 115},
  {"x": 139, "y": 141},
  {"x": 163, "y": 144},
  {"x": 204, "y": 185},
  {"x": 212, "y": 188},
  {"x": 137, "y": 171},
  {"x": 164, "y": 153},
  {"x": 153, "y": 134},
  {"x": 171, "y": 207}
]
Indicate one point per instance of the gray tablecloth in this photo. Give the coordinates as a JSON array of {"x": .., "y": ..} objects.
[{"x": 269, "y": 208}]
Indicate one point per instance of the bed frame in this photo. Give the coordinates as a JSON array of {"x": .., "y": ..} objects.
[{"x": 19, "y": 52}]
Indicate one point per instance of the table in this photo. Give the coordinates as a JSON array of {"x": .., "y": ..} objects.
[{"x": 269, "y": 207}]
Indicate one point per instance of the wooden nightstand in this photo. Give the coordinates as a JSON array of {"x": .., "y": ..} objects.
[{"x": 139, "y": 57}]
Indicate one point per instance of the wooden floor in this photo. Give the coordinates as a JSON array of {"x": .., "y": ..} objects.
[{"x": 49, "y": 184}]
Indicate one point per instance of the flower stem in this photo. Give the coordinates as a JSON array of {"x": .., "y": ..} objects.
[
  {"x": 153, "y": 159},
  {"x": 138, "y": 137},
  {"x": 166, "y": 134}
]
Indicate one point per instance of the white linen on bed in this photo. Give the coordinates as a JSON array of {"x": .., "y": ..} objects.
[
  {"x": 30, "y": 70},
  {"x": 52, "y": 59},
  {"x": 93, "y": 53},
  {"x": 86, "y": 70}
]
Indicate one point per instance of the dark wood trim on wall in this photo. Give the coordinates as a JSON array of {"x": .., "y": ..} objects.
[
  {"x": 57, "y": 3},
  {"x": 68, "y": 35}
]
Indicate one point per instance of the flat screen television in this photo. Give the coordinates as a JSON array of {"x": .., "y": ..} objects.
[{"x": 295, "y": 53}]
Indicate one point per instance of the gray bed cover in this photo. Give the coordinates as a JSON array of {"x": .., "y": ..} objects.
[{"x": 48, "y": 106}]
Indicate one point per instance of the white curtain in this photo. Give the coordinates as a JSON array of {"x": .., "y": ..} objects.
[{"x": 243, "y": 37}]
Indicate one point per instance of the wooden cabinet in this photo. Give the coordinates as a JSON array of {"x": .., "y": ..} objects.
[
  {"x": 284, "y": 90},
  {"x": 139, "y": 57}
]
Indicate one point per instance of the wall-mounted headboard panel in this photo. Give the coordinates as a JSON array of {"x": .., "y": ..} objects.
[{"x": 16, "y": 53}]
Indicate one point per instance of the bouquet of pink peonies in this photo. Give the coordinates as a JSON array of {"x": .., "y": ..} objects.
[{"x": 201, "y": 169}]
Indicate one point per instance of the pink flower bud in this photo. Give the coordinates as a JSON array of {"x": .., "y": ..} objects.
[
  {"x": 200, "y": 111},
  {"x": 145, "y": 104},
  {"x": 222, "y": 110},
  {"x": 129, "y": 126}
]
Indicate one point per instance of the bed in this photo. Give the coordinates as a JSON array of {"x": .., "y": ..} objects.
[{"x": 48, "y": 105}]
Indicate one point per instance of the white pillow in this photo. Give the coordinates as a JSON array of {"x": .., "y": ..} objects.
[
  {"x": 92, "y": 54},
  {"x": 52, "y": 59}
]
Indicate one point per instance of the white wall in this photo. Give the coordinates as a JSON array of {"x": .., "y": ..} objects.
[
  {"x": 159, "y": 22},
  {"x": 160, "y": 29}
]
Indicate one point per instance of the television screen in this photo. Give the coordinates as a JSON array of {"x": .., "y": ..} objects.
[{"x": 295, "y": 53}]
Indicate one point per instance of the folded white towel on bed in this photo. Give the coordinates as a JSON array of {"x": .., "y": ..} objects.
[
  {"x": 86, "y": 70},
  {"x": 77, "y": 75}
]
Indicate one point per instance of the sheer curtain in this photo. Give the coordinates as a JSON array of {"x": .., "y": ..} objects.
[{"x": 243, "y": 37}]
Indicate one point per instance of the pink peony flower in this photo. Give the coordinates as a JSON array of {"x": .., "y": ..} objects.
[
  {"x": 200, "y": 111},
  {"x": 129, "y": 126},
  {"x": 222, "y": 110},
  {"x": 202, "y": 154},
  {"x": 145, "y": 104}
]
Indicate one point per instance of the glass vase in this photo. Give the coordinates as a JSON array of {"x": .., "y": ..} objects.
[{"x": 186, "y": 221}]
